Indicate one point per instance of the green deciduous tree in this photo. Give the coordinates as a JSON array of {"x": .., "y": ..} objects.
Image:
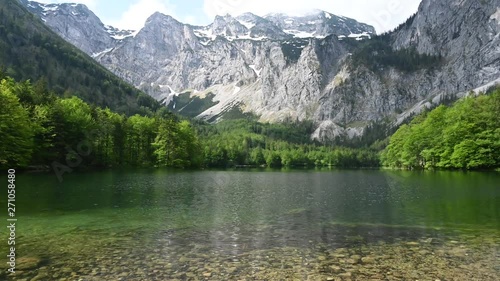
[
  {"x": 464, "y": 136},
  {"x": 16, "y": 134}
]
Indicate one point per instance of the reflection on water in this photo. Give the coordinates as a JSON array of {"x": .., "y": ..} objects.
[{"x": 259, "y": 225}]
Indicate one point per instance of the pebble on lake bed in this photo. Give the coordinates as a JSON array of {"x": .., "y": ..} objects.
[
  {"x": 24, "y": 263},
  {"x": 466, "y": 258}
]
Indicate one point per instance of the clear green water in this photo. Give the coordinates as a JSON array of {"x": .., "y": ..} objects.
[{"x": 258, "y": 225}]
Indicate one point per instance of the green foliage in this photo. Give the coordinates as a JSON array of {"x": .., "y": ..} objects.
[
  {"x": 16, "y": 133},
  {"x": 464, "y": 136},
  {"x": 109, "y": 138},
  {"x": 31, "y": 51},
  {"x": 191, "y": 107},
  {"x": 177, "y": 145},
  {"x": 140, "y": 134},
  {"x": 37, "y": 128},
  {"x": 232, "y": 114},
  {"x": 247, "y": 142}
]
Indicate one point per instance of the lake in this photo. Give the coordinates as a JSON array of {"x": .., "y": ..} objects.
[{"x": 257, "y": 225}]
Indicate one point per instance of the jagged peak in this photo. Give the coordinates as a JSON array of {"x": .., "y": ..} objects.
[
  {"x": 244, "y": 26},
  {"x": 225, "y": 18},
  {"x": 155, "y": 15},
  {"x": 306, "y": 14},
  {"x": 248, "y": 14},
  {"x": 54, "y": 6},
  {"x": 250, "y": 17},
  {"x": 158, "y": 16}
]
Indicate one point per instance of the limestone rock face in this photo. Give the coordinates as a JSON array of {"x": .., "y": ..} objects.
[
  {"x": 281, "y": 67},
  {"x": 321, "y": 24},
  {"x": 465, "y": 33},
  {"x": 78, "y": 25}
]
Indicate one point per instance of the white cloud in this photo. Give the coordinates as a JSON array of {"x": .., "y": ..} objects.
[
  {"x": 192, "y": 20},
  {"x": 382, "y": 14},
  {"x": 137, "y": 13},
  {"x": 91, "y": 4}
]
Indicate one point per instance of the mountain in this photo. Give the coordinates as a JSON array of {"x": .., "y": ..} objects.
[
  {"x": 76, "y": 23},
  {"x": 32, "y": 51},
  {"x": 321, "y": 24},
  {"x": 166, "y": 56},
  {"x": 321, "y": 67},
  {"x": 453, "y": 47}
]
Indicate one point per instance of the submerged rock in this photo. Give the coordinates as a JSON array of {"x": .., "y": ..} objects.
[
  {"x": 24, "y": 263},
  {"x": 368, "y": 260}
]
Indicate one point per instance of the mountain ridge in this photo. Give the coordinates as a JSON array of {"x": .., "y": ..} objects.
[
  {"x": 340, "y": 81},
  {"x": 32, "y": 51}
]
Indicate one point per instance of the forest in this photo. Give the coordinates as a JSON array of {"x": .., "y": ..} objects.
[
  {"x": 30, "y": 50},
  {"x": 465, "y": 135},
  {"x": 39, "y": 129},
  {"x": 248, "y": 142}
]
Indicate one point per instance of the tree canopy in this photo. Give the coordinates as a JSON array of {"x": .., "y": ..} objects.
[
  {"x": 39, "y": 129},
  {"x": 31, "y": 51},
  {"x": 464, "y": 136}
]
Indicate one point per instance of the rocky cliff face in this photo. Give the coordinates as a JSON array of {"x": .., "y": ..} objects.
[
  {"x": 78, "y": 25},
  {"x": 319, "y": 67},
  {"x": 321, "y": 24},
  {"x": 464, "y": 34}
]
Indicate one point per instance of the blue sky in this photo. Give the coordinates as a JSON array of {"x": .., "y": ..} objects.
[{"x": 131, "y": 14}]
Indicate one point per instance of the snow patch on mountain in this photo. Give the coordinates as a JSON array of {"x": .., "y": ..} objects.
[
  {"x": 360, "y": 36},
  {"x": 119, "y": 34},
  {"x": 303, "y": 34},
  {"x": 496, "y": 16},
  {"x": 50, "y": 7},
  {"x": 95, "y": 55},
  {"x": 257, "y": 71},
  {"x": 205, "y": 32}
]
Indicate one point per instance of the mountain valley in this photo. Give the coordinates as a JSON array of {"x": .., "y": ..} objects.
[{"x": 321, "y": 67}]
